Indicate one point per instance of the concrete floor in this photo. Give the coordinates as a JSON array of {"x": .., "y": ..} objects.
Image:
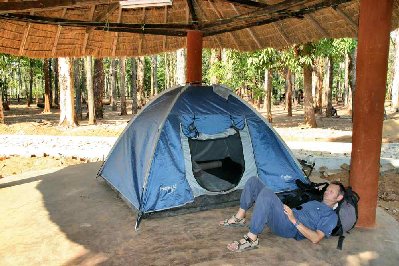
[{"x": 67, "y": 217}]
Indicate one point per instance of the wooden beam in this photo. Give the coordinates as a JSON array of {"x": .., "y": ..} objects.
[
  {"x": 204, "y": 15},
  {"x": 165, "y": 20},
  {"x": 57, "y": 35},
  {"x": 178, "y": 33},
  {"x": 116, "y": 35},
  {"x": 192, "y": 11},
  {"x": 142, "y": 35},
  {"x": 346, "y": 18},
  {"x": 248, "y": 3},
  {"x": 40, "y": 5},
  {"x": 278, "y": 27},
  {"x": 103, "y": 15},
  {"x": 276, "y": 16},
  {"x": 151, "y": 29},
  {"x": 87, "y": 34},
  {"x": 219, "y": 15},
  {"x": 24, "y": 38},
  {"x": 95, "y": 24},
  {"x": 251, "y": 33},
  {"x": 257, "y": 14},
  {"x": 316, "y": 24}
]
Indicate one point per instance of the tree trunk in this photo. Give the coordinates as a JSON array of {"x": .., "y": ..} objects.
[
  {"x": 346, "y": 81},
  {"x": 67, "y": 112},
  {"x": 288, "y": 94},
  {"x": 325, "y": 82},
  {"x": 181, "y": 67},
  {"x": 310, "y": 118},
  {"x": 1, "y": 110},
  {"x": 319, "y": 85},
  {"x": 56, "y": 83},
  {"x": 4, "y": 93},
  {"x": 395, "y": 82},
  {"x": 352, "y": 80},
  {"x": 98, "y": 87},
  {"x": 154, "y": 80},
  {"x": 167, "y": 71},
  {"x": 329, "y": 88},
  {"x": 267, "y": 103},
  {"x": 216, "y": 57},
  {"x": 78, "y": 88},
  {"x": 19, "y": 80},
  {"x": 30, "y": 98},
  {"x": 294, "y": 92},
  {"x": 46, "y": 86},
  {"x": 50, "y": 71},
  {"x": 314, "y": 84},
  {"x": 123, "y": 86},
  {"x": 90, "y": 91},
  {"x": 140, "y": 80},
  {"x": 134, "y": 86},
  {"x": 113, "y": 85}
]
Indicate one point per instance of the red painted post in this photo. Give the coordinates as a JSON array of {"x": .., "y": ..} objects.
[
  {"x": 371, "y": 74},
  {"x": 194, "y": 57}
]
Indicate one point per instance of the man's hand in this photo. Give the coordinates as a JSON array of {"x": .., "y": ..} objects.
[
  {"x": 289, "y": 213},
  {"x": 314, "y": 236}
]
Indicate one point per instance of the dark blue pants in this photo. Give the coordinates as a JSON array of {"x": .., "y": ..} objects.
[{"x": 268, "y": 209}]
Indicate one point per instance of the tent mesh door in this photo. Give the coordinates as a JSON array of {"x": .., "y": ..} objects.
[{"x": 218, "y": 164}]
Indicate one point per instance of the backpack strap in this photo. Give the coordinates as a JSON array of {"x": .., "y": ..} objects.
[
  {"x": 340, "y": 242},
  {"x": 338, "y": 230}
]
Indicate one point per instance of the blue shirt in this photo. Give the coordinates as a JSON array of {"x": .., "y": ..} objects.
[{"x": 316, "y": 215}]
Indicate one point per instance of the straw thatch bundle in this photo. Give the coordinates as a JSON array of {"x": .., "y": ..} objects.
[{"x": 66, "y": 28}]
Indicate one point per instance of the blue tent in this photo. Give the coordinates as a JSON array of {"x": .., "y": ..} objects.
[{"x": 192, "y": 141}]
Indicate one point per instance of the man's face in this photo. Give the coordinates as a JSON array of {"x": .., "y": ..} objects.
[{"x": 332, "y": 193}]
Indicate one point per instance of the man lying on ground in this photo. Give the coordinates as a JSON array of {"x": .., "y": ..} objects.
[{"x": 313, "y": 220}]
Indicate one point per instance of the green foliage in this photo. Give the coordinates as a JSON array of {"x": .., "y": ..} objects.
[
  {"x": 206, "y": 66},
  {"x": 336, "y": 48},
  {"x": 236, "y": 69},
  {"x": 161, "y": 73},
  {"x": 15, "y": 75}
]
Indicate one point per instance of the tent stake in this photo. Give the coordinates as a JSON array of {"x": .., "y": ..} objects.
[{"x": 138, "y": 220}]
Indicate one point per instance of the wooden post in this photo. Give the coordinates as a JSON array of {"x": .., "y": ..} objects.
[
  {"x": 194, "y": 57},
  {"x": 372, "y": 64}
]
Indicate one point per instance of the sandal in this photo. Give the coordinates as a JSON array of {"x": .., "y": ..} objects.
[
  {"x": 237, "y": 222},
  {"x": 248, "y": 244}
]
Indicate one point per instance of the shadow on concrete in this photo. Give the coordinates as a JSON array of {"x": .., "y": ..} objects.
[
  {"x": 90, "y": 214},
  {"x": 20, "y": 182}
]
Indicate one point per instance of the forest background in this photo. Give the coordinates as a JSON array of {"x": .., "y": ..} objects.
[{"x": 315, "y": 75}]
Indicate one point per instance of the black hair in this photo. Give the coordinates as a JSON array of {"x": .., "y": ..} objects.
[{"x": 341, "y": 187}]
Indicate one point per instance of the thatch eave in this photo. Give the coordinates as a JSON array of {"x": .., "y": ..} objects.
[{"x": 102, "y": 29}]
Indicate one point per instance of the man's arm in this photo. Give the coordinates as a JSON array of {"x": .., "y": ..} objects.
[{"x": 313, "y": 236}]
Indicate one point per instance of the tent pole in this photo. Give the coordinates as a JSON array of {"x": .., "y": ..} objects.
[
  {"x": 371, "y": 74},
  {"x": 194, "y": 57}
]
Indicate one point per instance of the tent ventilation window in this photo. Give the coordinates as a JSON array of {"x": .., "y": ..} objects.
[{"x": 218, "y": 164}]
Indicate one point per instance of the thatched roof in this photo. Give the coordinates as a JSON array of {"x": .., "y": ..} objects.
[{"x": 59, "y": 28}]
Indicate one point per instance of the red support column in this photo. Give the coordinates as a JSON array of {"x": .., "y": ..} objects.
[
  {"x": 371, "y": 74},
  {"x": 194, "y": 57}
]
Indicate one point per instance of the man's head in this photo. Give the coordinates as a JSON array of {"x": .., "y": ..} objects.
[{"x": 334, "y": 193}]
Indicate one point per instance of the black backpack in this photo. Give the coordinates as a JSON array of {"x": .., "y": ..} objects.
[
  {"x": 304, "y": 193},
  {"x": 347, "y": 210}
]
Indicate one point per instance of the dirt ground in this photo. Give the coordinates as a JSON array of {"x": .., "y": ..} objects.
[
  {"x": 21, "y": 120},
  {"x": 68, "y": 217}
]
